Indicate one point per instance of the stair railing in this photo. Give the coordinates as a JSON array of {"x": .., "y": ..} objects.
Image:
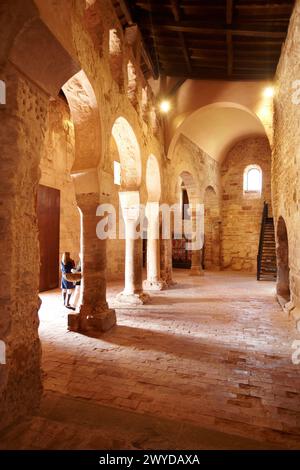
[{"x": 261, "y": 238}]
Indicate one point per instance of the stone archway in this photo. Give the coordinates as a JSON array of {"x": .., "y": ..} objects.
[
  {"x": 282, "y": 252},
  {"x": 131, "y": 175},
  {"x": 211, "y": 249},
  {"x": 188, "y": 196},
  {"x": 129, "y": 154},
  {"x": 87, "y": 122},
  {"x": 93, "y": 311}
]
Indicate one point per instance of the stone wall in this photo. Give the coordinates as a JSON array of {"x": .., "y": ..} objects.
[
  {"x": 241, "y": 213},
  {"x": 286, "y": 151},
  {"x": 56, "y": 164},
  {"x": 188, "y": 157}
]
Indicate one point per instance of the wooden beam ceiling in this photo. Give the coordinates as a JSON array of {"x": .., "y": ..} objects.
[{"x": 228, "y": 39}]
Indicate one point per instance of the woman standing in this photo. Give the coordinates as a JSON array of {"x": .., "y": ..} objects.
[
  {"x": 67, "y": 264},
  {"x": 76, "y": 296}
]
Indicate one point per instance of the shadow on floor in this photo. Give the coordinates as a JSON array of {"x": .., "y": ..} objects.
[{"x": 66, "y": 422}]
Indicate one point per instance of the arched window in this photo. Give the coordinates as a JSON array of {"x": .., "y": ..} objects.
[{"x": 252, "y": 179}]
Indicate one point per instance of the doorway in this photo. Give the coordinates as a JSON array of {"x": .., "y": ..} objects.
[
  {"x": 282, "y": 252},
  {"x": 48, "y": 215}
]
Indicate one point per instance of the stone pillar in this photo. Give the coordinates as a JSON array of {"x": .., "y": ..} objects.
[
  {"x": 21, "y": 137},
  {"x": 165, "y": 246},
  {"x": 153, "y": 281},
  {"x": 216, "y": 243},
  {"x": 196, "y": 266},
  {"x": 166, "y": 270},
  {"x": 197, "y": 227},
  {"x": 94, "y": 313},
  {"x": 133, "y": 293}
]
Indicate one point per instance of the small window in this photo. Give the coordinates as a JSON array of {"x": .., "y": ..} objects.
[
  {"x": 185, "y": 205},
  {"x": 252, "y": 179}
]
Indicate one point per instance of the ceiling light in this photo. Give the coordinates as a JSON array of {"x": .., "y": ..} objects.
[
  {"x": 269, "y": 92},
  {"x": 165, "y": 106}
]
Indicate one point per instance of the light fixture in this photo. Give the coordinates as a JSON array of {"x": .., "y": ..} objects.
[
  {"x": 165, "y": 106},
  {"x": 269, "y": 92}
]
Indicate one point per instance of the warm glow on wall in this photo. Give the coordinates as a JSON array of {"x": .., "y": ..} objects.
[
  {"x": 269, "y": 92},
  {"x": 165, "y": 106},
  {"x": 264, "y": 113}
]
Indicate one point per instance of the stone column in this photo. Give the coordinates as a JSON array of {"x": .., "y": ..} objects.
[
  {"x": 133, "y": 293},
  {"x": 197, "y": 227},
  {"x": 166, "y": 270},
  {"x": 166, "y": 231},
  {"x": 94, "y": 313},
  {"x": 196, "y": 266},
  {"x": 153, "y": 281},
  {"x": 216, "y": 243}
]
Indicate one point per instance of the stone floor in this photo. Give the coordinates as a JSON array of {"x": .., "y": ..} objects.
[{"x": 206, "y": 365}]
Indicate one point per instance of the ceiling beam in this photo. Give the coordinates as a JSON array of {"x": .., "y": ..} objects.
[
  {"x": 259, "y": 31},
  {"x": 228, "y": 39},
  {"x": 210, "y": 74},
  {"x": 229, "y": 12},
  {"x": 176, "y": 14},
  {"x": 265, "y": 10},
  {"x": 229, "y": 53},
  {"x": 176, "y": 87},
  {"x": 170, "y": 41},
  {"x": 146, "y": 56},
  {"x": 229, "y": 8}
]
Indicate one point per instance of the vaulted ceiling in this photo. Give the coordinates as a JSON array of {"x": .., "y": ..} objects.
[{"x": 206, "y": 39}]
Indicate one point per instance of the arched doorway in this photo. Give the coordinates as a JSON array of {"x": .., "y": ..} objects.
[
  {"x": 131, "y": 173},
  {"x": 282, "y": 253},
  {"x": 188, "y": 197}
]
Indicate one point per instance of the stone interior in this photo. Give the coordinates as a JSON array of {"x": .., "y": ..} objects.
[{"x": 198, "y": 358}]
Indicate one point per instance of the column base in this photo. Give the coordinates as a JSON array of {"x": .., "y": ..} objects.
[
  {"x": 136, "y": 299},
  {"x": 169, "y": 283},
  {"x": 154, "y": 285},
  {"x": 86, "y": 320},
  {"x": 196, "y": 271}
]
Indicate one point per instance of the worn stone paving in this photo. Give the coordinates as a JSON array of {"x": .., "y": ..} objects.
[{"x": 206, "y": 365}]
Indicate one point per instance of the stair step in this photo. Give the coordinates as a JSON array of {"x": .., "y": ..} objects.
[{"x": 268, "y": 265}]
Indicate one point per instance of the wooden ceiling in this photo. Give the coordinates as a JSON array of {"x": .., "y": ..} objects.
[{"x": 210, "y": 39}]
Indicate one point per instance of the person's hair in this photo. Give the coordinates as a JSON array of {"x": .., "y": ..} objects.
[{"x": 66, "y": 257}]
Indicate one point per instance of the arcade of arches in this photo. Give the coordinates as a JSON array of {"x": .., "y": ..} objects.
[{"x": 166, "y": 347}]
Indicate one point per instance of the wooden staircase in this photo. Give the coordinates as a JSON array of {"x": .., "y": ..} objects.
[{"x": 266, "y": 258}]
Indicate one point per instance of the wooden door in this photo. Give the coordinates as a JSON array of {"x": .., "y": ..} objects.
[{"x": 48, "y": 212}]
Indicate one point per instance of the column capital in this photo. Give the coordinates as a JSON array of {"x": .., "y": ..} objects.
[{"x": 88, "y": 202}]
